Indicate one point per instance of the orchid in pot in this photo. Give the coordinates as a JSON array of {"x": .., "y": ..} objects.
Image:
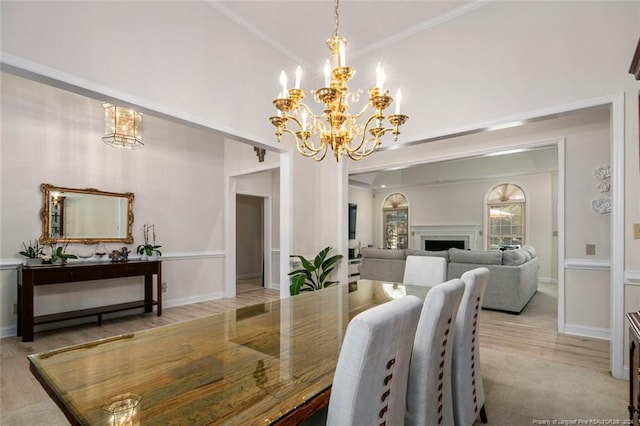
[
  {"x": 149, "y": 248},
  {"x": 58, "y": 255},
  {"x": 32, "y": 251}
]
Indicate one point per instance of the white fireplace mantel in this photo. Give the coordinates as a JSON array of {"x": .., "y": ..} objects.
[{"x": 469, "y": 233}]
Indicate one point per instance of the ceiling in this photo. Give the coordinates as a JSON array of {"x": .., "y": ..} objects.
[
  {"x": 496, "y": 165},
  {"x": 366, "y": 25},
  {"x": 299, "y": 29},
  {"x": 532, "y": 161}
]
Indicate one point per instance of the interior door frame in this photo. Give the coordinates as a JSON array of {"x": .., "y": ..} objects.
[
  {"x": 230, "y": 232},
  {"x": 616, "y": 104}
]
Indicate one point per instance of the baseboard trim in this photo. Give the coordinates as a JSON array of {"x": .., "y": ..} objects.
[
  {"x": 12, "y": 330},
  {"x": 8, "y": 331},
  {"x": 547, "y": 280},
  {"x": 625, "y": 372},
  {"x": 587, "y": 331},
  {"x": 249, "y": 276}
]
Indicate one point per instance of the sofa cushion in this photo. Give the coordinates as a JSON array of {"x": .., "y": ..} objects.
[
  {"x": 383, "y": 253},
  {"x": 475, "y": 257},
  {"x": 531, "y": 250},
  {"x": 440, "y": 253},
  {"x": 515, "y": 257}
]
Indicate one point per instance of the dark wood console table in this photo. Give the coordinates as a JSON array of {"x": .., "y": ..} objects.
[{"x": 32, "y": 276}]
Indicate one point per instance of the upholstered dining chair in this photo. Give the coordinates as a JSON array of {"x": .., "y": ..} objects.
[
  {"x": 425, "y": 270},
  {"x": 429, "y": 399},
  {"x": 468, "y": 392},
  {"x": 370, "y": 381}
]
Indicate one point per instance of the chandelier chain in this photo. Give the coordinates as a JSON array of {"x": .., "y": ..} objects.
[{"x": 337, "y": 19}]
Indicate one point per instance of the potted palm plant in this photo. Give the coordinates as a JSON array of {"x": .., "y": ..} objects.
[
  {"x": 149, "y": 248},
  {"x": 314, "y": 275}
]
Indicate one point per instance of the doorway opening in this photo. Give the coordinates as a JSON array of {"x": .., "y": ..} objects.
[{"x": 249, "y": 243}]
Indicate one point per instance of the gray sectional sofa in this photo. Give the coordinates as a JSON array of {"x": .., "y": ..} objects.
[{"x": 513, "y": 278}]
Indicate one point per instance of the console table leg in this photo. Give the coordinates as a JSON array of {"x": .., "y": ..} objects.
[
  {"x": 26, "y": 311},
  {"x": 19, "y": 303},
  {"x": 159, "y": 288},
  {"x": 148, "y": 293}
]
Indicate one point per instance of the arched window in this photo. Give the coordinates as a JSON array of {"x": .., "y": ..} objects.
[
  {"x": 395, "y": 213},
  {"x": 506, "y": 220}
]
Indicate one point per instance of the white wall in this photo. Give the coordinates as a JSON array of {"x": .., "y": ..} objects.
[
  {"x": 462, "y": 203},
  {"x": 185, "y": 58},
  {"x": 53, "y": 136},
  {"x": 509, "y": 57},
  {"x": 258, "y": 184},
  {"x": 242, "y": 159},
  {"x": 587, "y": 300},
  {"x": 586, "y": 149}
]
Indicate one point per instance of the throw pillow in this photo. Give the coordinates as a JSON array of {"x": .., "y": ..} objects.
[
  {"x": 531, "y": 250},
  {"x": 514, "y": 257},
  {"x": 475, "y": 257},
  {"x": 440, "y": 253},
  {"x": 383, "y": 253}
]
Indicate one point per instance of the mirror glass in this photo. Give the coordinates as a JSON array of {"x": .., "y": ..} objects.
[{"x": 72, "y": 215}]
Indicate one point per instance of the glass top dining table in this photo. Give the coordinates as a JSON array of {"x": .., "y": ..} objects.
[{"x": 258, "y": 365}]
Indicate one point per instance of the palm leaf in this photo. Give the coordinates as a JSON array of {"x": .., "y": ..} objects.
[
  {"x": 317, "y": 262},
  {"x": 296, "y": 284},
  {"x": 313, "y": 275}
]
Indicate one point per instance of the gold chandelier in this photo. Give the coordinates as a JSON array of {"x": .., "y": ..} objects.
[{"x": 335, "y": 127}]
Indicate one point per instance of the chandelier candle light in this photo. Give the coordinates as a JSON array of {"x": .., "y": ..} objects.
[{"x": 336, "y": 127}]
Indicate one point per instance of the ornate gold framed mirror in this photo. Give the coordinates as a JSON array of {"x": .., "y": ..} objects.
[{"x": 86, "y": 216}]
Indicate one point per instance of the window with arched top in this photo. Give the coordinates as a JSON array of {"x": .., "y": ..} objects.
[
  {"x": 506, "y": 216},
  {"x": 395, "y": 213}
]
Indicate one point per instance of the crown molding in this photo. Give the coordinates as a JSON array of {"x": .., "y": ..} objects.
[{"x": 421, "y": 27}]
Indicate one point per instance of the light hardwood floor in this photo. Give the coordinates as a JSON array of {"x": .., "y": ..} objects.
[
  {"x": 532, "y": 334},
  {"x": 249, "y": 284}
]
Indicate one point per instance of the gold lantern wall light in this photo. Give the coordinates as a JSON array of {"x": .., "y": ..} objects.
[{"x": 122, "y": 127}]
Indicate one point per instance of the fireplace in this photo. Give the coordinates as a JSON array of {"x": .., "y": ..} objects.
[
  {"x": 443, "y": 237},
  {"x": 437, "y": 245}
]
